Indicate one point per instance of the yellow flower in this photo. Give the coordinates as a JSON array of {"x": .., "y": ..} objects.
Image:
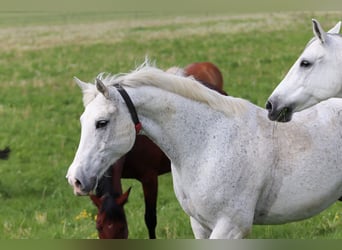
[
  {"x": 94, "y": 235},
  {"x": 83, "y": 215},
  {"x": 41, "y": 217},
  {"x": 337, "y": 217}
]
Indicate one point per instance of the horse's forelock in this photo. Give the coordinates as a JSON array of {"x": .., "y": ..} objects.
[{"x": 111, "y": 208}]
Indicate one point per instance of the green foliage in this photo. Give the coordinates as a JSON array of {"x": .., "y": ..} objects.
[{"x": 40, "y": 108}]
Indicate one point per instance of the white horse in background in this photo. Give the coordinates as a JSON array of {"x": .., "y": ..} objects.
[
  {"x": 231, "y": 166},
  {"x": 315, "y": 76}
]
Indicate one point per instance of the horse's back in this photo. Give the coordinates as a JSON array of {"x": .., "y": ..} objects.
[{"x": 328, "y": 114}]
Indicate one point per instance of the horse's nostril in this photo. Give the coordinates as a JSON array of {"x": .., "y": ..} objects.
[
  {"x": 84, "y": 187},
  {"x": 269, "y": 106},
  {"x": 78, "y": 188},
  {"x": 78, "y": 184}
]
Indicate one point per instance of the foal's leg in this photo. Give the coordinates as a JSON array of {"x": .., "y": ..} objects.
[
  {"x": 199, "y": 231},
  {"x": 150, "y": 188}
]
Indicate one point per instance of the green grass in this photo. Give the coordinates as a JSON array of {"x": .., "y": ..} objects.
[{"x": 40, "y": 106}]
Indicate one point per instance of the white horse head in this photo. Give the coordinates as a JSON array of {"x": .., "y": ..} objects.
[
  {"x": 98, "y": 139},
  {"x": 315, "y": 76}
]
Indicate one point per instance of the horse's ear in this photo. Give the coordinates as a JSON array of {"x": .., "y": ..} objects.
[
  {"x": 102, "y": 88},
  {"x": 123, "y": 198},
  {"x": 318, "y": 31},
  {"x": 336, "y": 29},
  {"x": 88, "y": 91},
  {"x": 96, "y": 200},
  {"x": 81, "y": 84}
]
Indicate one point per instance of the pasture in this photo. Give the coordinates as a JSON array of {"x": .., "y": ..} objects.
[{"x": 40, "y": 105}]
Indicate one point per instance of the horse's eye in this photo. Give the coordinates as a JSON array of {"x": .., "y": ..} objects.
[
  {"x": 305, "y": 64},
  {"x": 101, "y": 123}
]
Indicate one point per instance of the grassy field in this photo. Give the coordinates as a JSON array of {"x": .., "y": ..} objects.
[{"x": 40, "y": 105}]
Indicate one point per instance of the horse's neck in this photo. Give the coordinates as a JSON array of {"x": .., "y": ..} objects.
[
  {"x": 168, "y": 117},
  {"x": 171, "y": 121},
  {"x": 178, "y": 125}
]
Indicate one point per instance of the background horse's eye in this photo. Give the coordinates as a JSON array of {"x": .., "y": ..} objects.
[
  {"x": 101, "y": 123},
  {"x": 305, "y": 64}
]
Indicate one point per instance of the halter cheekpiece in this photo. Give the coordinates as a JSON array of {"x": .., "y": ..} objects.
[{"x": 130, "y": 107}]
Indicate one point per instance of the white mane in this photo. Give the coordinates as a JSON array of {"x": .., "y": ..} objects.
[
  {"x": 176, "y": 71},
  {"x": 147, "y": 75}
]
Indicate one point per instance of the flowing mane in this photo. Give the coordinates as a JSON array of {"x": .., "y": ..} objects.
[{"x": 147, "y": 75}]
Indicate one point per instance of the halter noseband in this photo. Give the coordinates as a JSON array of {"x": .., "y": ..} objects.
[{"x": 130, "y": 107}]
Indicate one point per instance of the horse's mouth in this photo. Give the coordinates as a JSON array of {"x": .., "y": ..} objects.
[{"x": 283, "y": 115}]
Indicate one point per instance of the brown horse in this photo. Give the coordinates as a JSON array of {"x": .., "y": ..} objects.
[
  {"x": 205, "y": 72},
  {"x": 145, "y": 162}
]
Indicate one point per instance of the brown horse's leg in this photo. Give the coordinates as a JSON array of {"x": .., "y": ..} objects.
[{"x": 150, "y": 188}]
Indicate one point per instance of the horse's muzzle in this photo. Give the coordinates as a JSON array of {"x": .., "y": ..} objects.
[
  {"x": 83, "y": 186},
  {"x": 283, "y": 114}
]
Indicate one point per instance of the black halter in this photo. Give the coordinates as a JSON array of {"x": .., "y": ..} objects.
[{"x": 130, "y": 107}]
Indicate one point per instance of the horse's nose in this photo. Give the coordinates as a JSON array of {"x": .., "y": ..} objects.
[
  {"x": 269, "y": 106},
  {"x": 82, "y": 187},
  {"x": 272, "y": 109}
]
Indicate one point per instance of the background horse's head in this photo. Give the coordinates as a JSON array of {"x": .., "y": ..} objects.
[
  {"x": 315, "y": 76},
  {"x": 111, "y": 221},
  {"x": 107, "y": 133}
]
